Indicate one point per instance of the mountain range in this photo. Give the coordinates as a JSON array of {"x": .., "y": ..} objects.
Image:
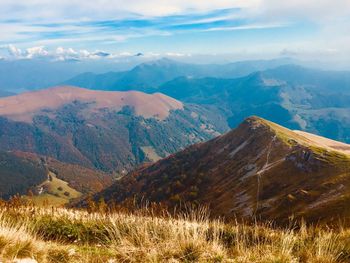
[
  {"x": 259, "y": 170},
  {"x": 149, "y": 76},
  {"x": 108, "y": 131},
  {"x": 161, "y": 132},
  {"x": 298, "y": 98},
  {"x": 313, "y": 100}
]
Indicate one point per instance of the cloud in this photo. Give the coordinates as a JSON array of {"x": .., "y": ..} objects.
[
  {"x": 36, "y": 52},
  {"x": 59, "y": 54},
  {"x": 320, "y": 11},
  {"x": 71, "y": 54},
  {"x": 99, "y": 24},
  {"x": 245, "y": 27},
  {"x": 13, "y": 51},
  {"x": 110, "y": 9},
  {"x": 120, "y": 29},
  {"x": 63, "y": 54}
]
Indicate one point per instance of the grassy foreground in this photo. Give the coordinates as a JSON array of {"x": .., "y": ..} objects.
[{"x": 62, "y": 235}]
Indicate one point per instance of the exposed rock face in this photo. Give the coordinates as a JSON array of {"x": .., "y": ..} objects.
[{"x": 259, "y": 170}]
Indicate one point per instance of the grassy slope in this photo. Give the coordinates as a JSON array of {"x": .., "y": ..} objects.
[
  {"x": 57, "y": 192},
  {"x": 77, "y": 236}
]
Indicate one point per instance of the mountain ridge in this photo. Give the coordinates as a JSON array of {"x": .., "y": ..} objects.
[
  {"x": 155, "y": 105},
  {"x": 258, "y": 170}
]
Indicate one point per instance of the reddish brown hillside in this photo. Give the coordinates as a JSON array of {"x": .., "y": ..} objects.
[
  {"x": 25, "y": 106},
  {"x": 258, "y": 170}
]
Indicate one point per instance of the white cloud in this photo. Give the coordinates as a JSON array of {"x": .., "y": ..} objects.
[
  {"x": 63, "y": 54},
  {"x": 15, "y": 52},
  {"x": 36, "y": 52},
  {"x": 245, "y": 27},
  {"x": 321, "y": 11},
  {"x": 29, "y": 53}
]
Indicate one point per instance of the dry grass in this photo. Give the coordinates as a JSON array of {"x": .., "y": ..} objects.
[{"x": 62, "y": 235}]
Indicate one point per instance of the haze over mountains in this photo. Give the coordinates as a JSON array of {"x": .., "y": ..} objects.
[
  {"x": 31, "y": 74},
  {"x": 149, "y": 76},
  {"x": 294, "y": 96}
]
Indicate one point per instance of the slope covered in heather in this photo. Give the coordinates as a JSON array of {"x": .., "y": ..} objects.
[{"x": 259, "y": 170}]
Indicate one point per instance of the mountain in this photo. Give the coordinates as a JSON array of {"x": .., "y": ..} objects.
[
  {"x": 109, "y": 131},
  {"x": 150, "y": 75},
  {"x": 296, "y": 97},
  {"x": 21, "y": 172},
  {"x": 258, "y": 170},
  {"x": 236, "y": 99}
]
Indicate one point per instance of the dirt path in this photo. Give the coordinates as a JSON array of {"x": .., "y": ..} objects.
[{"x": 267, "y": 166}]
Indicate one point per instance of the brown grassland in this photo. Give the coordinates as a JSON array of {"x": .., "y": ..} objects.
[{"x": 68, "y": 235}]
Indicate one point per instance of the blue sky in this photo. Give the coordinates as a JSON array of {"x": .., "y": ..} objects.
[{"x": 78, "y": 29}]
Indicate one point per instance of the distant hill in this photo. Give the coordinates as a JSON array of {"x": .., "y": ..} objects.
[
  {"x": 259, "y": 170},
  {"x": 299, "y": 98},
  {"x": 109, "y": 131},
  {"x": 149, "y": 76}
]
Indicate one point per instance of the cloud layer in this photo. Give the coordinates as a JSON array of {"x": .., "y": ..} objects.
[{"x": 77, "y": 25}]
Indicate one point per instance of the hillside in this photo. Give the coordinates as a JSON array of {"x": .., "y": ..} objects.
[
  {"x": 17, "y": 175},
  {"x": 109, "y": 131},
  {"x": 259, "y": 170},
  {"x": 21, "y": 172}
]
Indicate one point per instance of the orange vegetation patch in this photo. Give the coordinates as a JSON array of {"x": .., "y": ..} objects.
[{"x": 24, "y": 106}]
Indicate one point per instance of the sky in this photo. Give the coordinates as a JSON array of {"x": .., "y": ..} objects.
[{"x": 234, "y": 29}]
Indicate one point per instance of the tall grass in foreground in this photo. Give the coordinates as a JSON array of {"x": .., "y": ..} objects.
[{"x": 62, "y": 235}]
